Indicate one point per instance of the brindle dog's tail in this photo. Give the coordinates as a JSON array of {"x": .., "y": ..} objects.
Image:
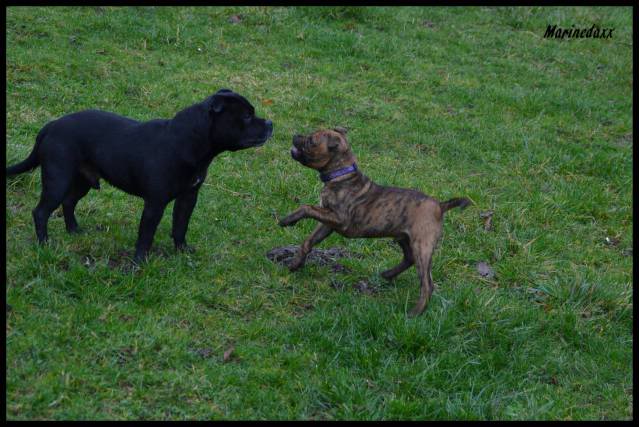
[{"x": 460, "y": 202}]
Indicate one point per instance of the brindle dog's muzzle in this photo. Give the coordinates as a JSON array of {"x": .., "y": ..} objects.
[{"x": 296, "y": 151}]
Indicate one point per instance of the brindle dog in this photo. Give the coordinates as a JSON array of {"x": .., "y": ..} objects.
[{"x": 355, "y": 206}]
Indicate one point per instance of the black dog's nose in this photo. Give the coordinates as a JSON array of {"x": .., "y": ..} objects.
[{"x": 269, "y": 124}]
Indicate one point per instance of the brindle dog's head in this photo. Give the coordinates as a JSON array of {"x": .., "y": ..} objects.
[{"x": 324, "y": 150}]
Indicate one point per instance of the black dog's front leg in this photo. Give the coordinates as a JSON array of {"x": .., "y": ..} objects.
[
  {"x": 323, "y": 215},
  {"x": 151, "y": 216},
  {"x": 182, "y": 210}
]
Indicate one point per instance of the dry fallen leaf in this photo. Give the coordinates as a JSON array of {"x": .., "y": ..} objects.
[
  {"x": 485, "y": 270},
  {"x": 488, "y": 219},
  {"x": 612, "y": 241},
  {"x": 228, "y": 354},
  {"x": 235, "y": 19},
  {"x": 267, "y": 101}
]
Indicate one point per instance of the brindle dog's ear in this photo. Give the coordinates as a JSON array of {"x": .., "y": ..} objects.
[{"x": 341, "y": 130}]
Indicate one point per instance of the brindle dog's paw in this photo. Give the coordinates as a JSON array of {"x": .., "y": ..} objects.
[
  {"x": 388, "y": 275},
  {"x": 416, "y": 311},
  {"x": 288, "y": 221},
  {"x": 295, "y": 265}
]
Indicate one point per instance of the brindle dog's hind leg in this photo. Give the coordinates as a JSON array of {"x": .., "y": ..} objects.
[
  {"x": 406, "y": 263},
  {"x": 423, "y": 252},
  {"x": 320, "y": 233}
]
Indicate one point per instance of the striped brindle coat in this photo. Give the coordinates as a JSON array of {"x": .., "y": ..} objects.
[{"x": 354, "y": 206}]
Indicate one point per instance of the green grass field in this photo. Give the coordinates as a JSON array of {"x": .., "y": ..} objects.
[{"x": 453, "y": 101}]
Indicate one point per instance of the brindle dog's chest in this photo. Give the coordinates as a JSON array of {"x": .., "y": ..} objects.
[{"x": 340, "y": 203}]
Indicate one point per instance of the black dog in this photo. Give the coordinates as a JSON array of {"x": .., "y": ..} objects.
[{"x": 158, "y": 160}]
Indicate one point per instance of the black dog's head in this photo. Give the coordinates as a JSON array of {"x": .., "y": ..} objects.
[{"x": 234, "y": 124}]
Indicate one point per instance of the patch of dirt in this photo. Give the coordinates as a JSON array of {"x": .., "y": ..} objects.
[
  {"x": 624, "y": 141},
  {"x": 124, "y": 355},
  {"x": 204, "y": 353},
  {"x": 122, "y": 261},
  {"x": 337, "y": 285},
  {"x": 365, "y": 287},
  {"x": 323, "y": 257}
]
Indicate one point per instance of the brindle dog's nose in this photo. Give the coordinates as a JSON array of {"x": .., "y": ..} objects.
[{"x": 298, "y": 140}]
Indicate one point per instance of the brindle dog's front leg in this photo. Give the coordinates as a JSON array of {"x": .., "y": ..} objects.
[
  {"x": 320, "y": 233},
  {"x": 323, "y": 215}
]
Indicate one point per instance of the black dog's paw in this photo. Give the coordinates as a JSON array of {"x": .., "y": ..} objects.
[
  {"x": 183, "y": 247},
  {"x": 75, "y": 230},
  {"x": 140, "y": 257}
]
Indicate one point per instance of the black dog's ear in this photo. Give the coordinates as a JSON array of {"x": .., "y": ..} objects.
[
  {"x": 217, "y": 103},
  {"x": 341, "y": 130}
]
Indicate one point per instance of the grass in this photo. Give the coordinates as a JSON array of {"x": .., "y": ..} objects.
[{"x": 453, "y": 101}]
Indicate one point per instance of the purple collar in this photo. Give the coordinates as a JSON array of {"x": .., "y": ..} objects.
[{"x": 325, "y": 177}]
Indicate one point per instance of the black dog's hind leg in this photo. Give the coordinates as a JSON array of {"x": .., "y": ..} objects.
[
  {"x": 56, "y": 183},
  {"x": 151, "y": 216},
  {"x": 182, "y": 210},
  {"x": 79, "y": 189}
]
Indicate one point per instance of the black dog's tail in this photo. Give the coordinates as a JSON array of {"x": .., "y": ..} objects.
[
  {"x": 460, "y": 202},
  {"x": 30, "y": 162}
]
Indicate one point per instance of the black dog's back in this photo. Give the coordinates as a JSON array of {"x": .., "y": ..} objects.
[
  {"x": 68, "y": 132},
  {"x": 121, "y": 150}
]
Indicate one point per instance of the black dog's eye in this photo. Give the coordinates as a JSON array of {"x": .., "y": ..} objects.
[{"x": 246, "y": 117}]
